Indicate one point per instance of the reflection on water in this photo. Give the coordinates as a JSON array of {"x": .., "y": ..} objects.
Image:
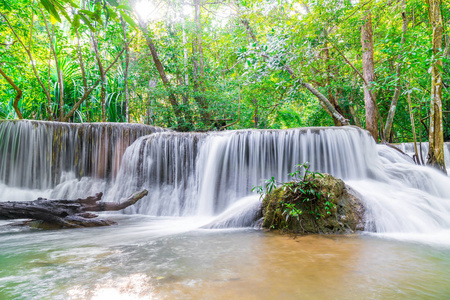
[
  {"x": 149, "y": 258},
  {"x": 135, "y": 286}
]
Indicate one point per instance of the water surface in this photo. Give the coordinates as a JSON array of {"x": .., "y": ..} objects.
[{"x": 169, "y": 258}]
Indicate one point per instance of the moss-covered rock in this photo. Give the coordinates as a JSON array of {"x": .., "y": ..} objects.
[{"x": 318, "y": 205}]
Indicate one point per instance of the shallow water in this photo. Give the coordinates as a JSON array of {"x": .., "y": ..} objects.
[{"x": 168, "y": 258}]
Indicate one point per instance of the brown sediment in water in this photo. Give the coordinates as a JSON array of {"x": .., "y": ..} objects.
[{"x": 314, "y": 267}]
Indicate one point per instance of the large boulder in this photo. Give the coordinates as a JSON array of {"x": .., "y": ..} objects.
[{"x": 319, "y": 205}]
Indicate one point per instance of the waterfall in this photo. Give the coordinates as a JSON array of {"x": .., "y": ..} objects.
[
  {"x": 408, "y": 148},
  {"x": 205, "y": 173},
  {"x": 38, "y": 155},
  {"x": 410, "y": 199},
  {"x": 212, "y": 174}
]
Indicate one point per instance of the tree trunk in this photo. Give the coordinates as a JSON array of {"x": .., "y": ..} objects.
[
  {"x": 255, "y": 116},
  {"x": 83, "y": 73},
  {"x": 58, "y": 69},
  {"x": 436, "y": 132},
  {"x": 372, "y": 96},
  {"x": 185, "y": 55},
  {"x": 390, "y": 118},
  {"x": 351, "y": 106},
  {"x": 162, "y": 73},
  {"x": 198, "y": 65},
  {"x": 198, "y": 25},
  {"x": 49, "y": 80},
  {"x": 102, "y": 75},
  {"x": 331, "y": 97},
  {"x": 369, "y": 74},
  {"x": 18, "y": 95},
  {"x": 413, "y": 128},
  {"x": 65, "y": 213},
  {"x": 127, "y": 62},
  {"x": 197, "y": 84}
]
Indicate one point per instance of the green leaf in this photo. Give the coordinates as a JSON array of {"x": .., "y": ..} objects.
[
  {"x": 125, "y": 7},
  {"x": 73, "y": 4},
  {"x": 48, "y": 6},
  {"x": 112, "y": 14},
  {"x": 87, "y": 22},
  {"x": 88, "y": 13},
  {"x": 5, "y": 5},
  {"x": 114, "y": 3},
  {"x": 128, "y": 19},
  {"x": 76, "y": 21}
]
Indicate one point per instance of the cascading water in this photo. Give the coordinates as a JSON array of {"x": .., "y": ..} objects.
[
  {"x": 408, "y": 148},
  {"x": 208, "y": 174},
  {"x": 211, "y": 174},
  {"x": 411, "y": 199},
  {"x": 37, "y": 156},
  {"x": 203, "y": 174}
]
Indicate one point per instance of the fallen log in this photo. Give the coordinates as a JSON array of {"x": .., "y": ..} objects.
[{"x": 52, "y": 214}]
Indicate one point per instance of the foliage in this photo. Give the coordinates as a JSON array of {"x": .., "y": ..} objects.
[
  {"x": 301, "y": 195},
  {"x": 242, "y": 79}
]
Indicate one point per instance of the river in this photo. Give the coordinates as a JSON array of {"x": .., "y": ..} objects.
[{"x": 195, "y": 236}]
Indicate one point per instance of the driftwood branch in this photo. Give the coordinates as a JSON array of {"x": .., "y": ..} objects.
[{"x": 65, "y": 213}]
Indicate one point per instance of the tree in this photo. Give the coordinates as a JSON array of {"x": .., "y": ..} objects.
[
  {"x": 127, "y": 64},
  {"x": 162, "y": 73},
  {"x": 28, "y": 49},
  {"x": 324, "y": 102},
  {"x": 18, "y": 96},
  {"x": 369, "y": 74},
  {"x": 235, "y": 64},
  {"x": 398, "y": 86},
  {"x": 436, "y": 132}
]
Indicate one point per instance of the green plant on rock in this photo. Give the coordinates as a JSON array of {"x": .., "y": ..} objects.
[
  {"x": 301, "y": 198},
  {"x": 290, "y": 210}
]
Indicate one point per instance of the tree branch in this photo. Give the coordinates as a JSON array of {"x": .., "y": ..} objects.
[{"x": 18, "y": 96}]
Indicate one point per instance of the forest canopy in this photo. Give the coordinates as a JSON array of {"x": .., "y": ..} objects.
[{"x": 207, "y": 64}]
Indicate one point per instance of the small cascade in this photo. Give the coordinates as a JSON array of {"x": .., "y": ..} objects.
[
  {"x": 38, "y": 155},
  {"x": 246, "y": 212},
  {"x": 412, "y": 199},
  {"x": 408, "y": 148},
  {"x": 166, "y": 165}
]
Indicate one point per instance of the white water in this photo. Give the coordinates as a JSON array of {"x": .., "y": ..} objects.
[
  {"x": 422, "y": 149},
  {"x": 408, "y": 148},
  {"x": 36, "y": 156},
  {"x": 211, "y": 174},
  {"x": 204, "y": 174},
  {"x": 412, "y": 203}
]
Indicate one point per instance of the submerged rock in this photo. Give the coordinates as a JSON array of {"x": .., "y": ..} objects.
[{"x": 320, "y": 205}]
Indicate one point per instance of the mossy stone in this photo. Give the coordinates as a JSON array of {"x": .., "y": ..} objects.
[{"x": 344, "y": 215}]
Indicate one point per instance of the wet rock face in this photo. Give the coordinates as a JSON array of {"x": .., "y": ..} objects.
[{"x": 329, "y": 207}]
